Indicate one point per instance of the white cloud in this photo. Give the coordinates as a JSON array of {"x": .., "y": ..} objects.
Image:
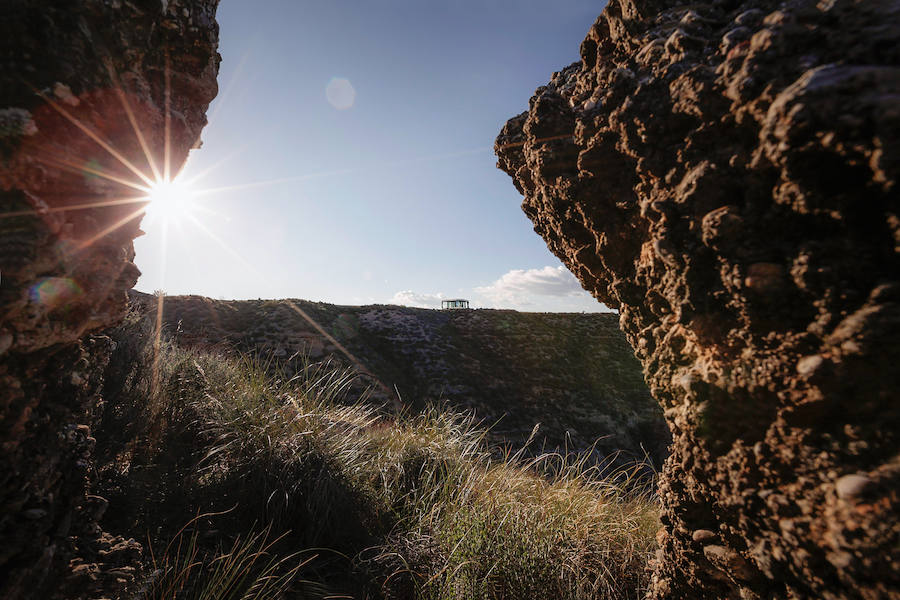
[
  {"x": 548, "y": 289},
  {"x": 519, "y": 285},
  {"x": 417, "y": 300}
]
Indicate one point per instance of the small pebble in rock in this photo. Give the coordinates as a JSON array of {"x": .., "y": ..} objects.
[
  {"x": 852, "y": 486},
  {"x": 6, "y": 341},
  {"x": 715, "y": 553},
  {"x": 764, "y": 278},
  {"x": 808, "y": 364},
  {"x": 704, "y": 536}
]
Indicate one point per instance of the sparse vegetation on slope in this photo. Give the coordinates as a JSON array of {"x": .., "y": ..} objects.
[
  {"x": 573, "y": 373},
  {"x": 410, "y": 507}
]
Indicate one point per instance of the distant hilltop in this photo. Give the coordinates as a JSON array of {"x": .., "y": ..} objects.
[{"x": 573, "y": 373}]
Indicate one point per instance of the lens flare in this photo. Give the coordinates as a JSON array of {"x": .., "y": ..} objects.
[
  {"x": 340, "y": 93},
  {"x": 169, "y": 200},
  {"x": 53, "y": 292}
]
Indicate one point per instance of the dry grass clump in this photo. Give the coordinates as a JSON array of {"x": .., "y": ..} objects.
[
  {"x": 475, "y": 527},
  {"x": 408, "y": 507},
  {"x": 245, "y": 571}
]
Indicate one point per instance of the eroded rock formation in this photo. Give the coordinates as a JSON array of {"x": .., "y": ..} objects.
[
  {"x": 90, "y": 93},
  {"x": 726, "y": 175}
]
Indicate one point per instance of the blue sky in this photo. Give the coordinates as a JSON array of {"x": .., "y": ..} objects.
[{"x": 395, "y": 198}]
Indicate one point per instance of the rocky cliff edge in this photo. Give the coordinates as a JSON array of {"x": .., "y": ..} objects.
[
  {"x": 726, "y": 174},
  {"x": 98, "y": 99}
]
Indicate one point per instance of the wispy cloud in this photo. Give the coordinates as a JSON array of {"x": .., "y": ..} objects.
[
  {"x": 519, "y": 285},
  {"x": 417, "y": 300},
  {"x": 552, "y": 289}
]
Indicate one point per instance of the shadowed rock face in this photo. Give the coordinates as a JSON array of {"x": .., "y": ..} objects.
[
  {"x": 88, "y": 92},
  {"x": 726, "y": 174}
]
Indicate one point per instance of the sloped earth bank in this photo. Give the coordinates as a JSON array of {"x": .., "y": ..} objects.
[
  {"x": 78, "y": 82},
  {"x": 376, "y": 506},
  {"x": 573, "y": 374},
  {"x": 725, "y": 173}
]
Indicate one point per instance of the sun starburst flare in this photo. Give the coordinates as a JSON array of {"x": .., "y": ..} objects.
[
  {"x": 160, "y": 190},
  {"x": 170, "y": 200}
]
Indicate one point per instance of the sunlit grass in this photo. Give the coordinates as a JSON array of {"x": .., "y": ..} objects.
[
  {"x": 247, "y": 570},
  {"x": 415, "y": 507}
]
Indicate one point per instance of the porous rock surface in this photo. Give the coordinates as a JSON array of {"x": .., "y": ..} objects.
[
  {"x": 725, "y": 173},
  {"x": 89, "y": 93}
]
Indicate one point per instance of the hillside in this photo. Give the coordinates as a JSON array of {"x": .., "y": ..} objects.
[
  {"x": 242, "y": 483},
  {"x": 572, "y": 373}
]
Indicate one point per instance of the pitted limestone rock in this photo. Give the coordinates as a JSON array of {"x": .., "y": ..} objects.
[
  {"x": 726, "y": 174},
  {"x": 90, "y": 94}
]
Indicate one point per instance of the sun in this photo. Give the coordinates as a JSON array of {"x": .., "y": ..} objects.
[{"x": 169, "y": 200}]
